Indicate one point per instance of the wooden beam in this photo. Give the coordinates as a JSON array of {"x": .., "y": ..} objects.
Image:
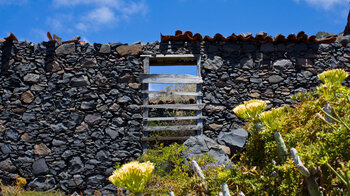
[
  {"x": 145, "y": 101},
  {"x": 176, "y": 106},
  {"x": 173, "y": 128},
  {"x": 173, "y": 93},
  {"x": 170, "y": 56},
  {"x": 150, "y": 139},
  {"x": 170, "y": 79},
  {"x": 174, "y": 118},
  {"x": 199, "y": 113}
]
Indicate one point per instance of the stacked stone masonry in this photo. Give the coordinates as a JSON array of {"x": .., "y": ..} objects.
[{"x": 69, "y": 112}]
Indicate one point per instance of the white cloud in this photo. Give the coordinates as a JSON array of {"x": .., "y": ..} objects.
[
  {"x": 98, "y": 13},
  {"x": 325, "y": 4},
  {"x": 103, "y": 15}
]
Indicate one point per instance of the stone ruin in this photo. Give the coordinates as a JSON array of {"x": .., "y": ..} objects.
[{"x": 70, "y": 110}]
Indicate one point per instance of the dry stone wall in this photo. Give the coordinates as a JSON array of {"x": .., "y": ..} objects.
[{"x": 69, "y": 112}]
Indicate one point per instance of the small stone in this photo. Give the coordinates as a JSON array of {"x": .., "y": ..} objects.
[
  {"x": 254, "y": 95},
  {"x": 7, "y": 165},
  {"x": 124, "y": 99},
  {"x": 214, "y": 108},
  {"x": 275, "y": 79},
  {"x": 83, "y": 127},
  {"x": 135, "y": 85},
  {"x": 234, "y": 138},
  {"x": 78, "y": 180},
  {"x": 11, "y": 134},
  {"x": 43, "y": 183},
  {"x": 105, "y": 49},
  {"x": 112, "y": 133},
  {"x": 269, "y": 93},
  {"x": 256, "y": 80},
  {"x": 41, "y": 150},
  {"x": 215, "y": 127},
  {"x": 68, "y": 48},
  {"x": 241, "y": 79},
  {"x": 92, "y": 119},
  {"x": 25, "y": 137},
  {"x": 226, "y": 149},
  {"x": 88, "y": 63},
  {"x": 88, "y": 105},
  {"x": 27, "y": 97},
  {"x": 79, "y": 82},
  {"x": 31, "y": 78},
  {"x": 54, "y": 66},
  {"x": 40, "y": 167},
  {"x": 127, "y": 79},
  {"x": 283, "y": 63},
  {"x": 114, "y": 108},
  {"x": 129, "y": 50},
  {"x": 214, "y": 63},
  {"x": 76, "y": 165}
]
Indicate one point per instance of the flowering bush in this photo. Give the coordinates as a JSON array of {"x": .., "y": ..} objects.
[
  {"x": 250, "y": 110},
  {"x": 133, "y": 176}
]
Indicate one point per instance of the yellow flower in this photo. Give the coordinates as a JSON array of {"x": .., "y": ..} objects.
[
  {"x": 268, "y": 118},
  {"x": 250, "y": 109},
  {"x": 334, "y": 76},
  {"x": 21, "y": 182},
  {"x": 133, "y": 176}
]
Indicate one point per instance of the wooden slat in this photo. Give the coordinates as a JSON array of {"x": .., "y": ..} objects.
[
  {"x": 148, "y": 139},
  {"x": 176, "y": 106},
  {"x": 173, "y": 93},
  {"x": 199, "y": 113},
  {"x": 170, "y": 79},
  {"x": 173, "y": 128},
  {"x": 145, "y": 100},
  {"x": 174, "y": 118},
  {"x": 170, "y": 56}
]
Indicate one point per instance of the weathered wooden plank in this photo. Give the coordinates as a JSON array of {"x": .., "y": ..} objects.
[
  {"x": 170, "y": 56},
  {"x": 174, "y": 118},
  {"x": 173, "y": 128},
  {"x": 145, "y": 100},
  {"x": 170, "y": 79},
  {"x": 174, "y": 93},
  {"x": 149, "y": 139},
  {"x": 199, "y": 113},
  {"x": 176, "y": 106}
]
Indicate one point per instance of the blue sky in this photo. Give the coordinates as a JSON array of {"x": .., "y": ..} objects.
[{"x": 127, "y": 21}]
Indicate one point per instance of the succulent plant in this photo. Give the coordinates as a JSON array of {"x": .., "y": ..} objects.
[{"x": 133, "y": 176}]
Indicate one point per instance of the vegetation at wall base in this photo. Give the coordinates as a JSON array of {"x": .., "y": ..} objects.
[{"x": 317, "y": 127}]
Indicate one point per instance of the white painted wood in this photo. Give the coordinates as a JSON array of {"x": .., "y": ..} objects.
[
  {"x": 176, "y": 106},
  {"x": 174, "y": 118},
  {"x": 173, "y": 93},
  {"x": 173, "y": 128},
  {"x": 169, "y": 56},
  {"x": 170, "y": 79}
]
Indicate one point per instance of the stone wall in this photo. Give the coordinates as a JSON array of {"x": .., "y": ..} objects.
[{"x": 69, "y": 112}]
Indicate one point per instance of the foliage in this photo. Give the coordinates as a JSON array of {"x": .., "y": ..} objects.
[
  {"x": 19, "y": 190},
  {"x": 133, "y": 176},
  {"x": 250, "y": 110},
  {"x": 305, "y": 128}
]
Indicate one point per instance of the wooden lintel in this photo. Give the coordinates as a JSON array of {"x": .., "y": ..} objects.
[
  {"x": 173, "y": 93},
  {"x": 172, "y": 128},
  {"x": 149, "y": 139},
  {"x": 170, "y": 79},
  {"x": 176, "y": 106},
  {"x": 174, "y": 118}
]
